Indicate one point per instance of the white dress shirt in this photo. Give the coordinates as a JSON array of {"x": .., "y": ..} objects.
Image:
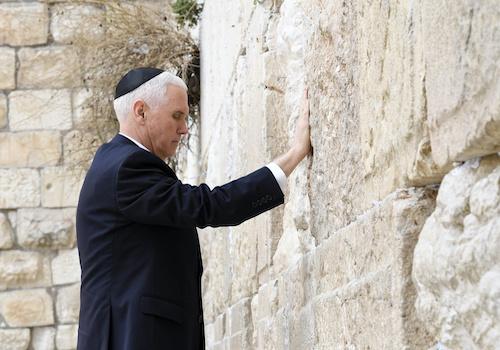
[{"x": 275, "y": 169}]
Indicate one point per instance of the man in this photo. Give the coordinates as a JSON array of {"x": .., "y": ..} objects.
[{"x": 136, "y": 222}]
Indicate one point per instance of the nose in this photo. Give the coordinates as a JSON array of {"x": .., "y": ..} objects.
[{"x": 183, "y": 130}]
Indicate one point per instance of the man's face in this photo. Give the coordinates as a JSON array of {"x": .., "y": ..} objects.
[{"x": 168, "y": 122}]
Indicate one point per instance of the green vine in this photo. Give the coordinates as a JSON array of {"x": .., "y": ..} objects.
[{"x": 187, "y": 12}]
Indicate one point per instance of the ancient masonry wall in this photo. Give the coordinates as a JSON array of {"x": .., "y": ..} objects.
[
  {"x": 43, "y": 138},
  {"x": 390, "y": 234}
]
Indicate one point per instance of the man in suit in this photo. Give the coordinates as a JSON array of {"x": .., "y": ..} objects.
[{"x": 136, "y": 222}]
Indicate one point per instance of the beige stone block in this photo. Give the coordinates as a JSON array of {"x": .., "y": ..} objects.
[
  {"x": 7, "y": 68},
  {"x": 456, "y": 264},
  {"x": 46, "y": 228},
  {"x": 43, "y": 338},
  {"x": 40, "y": 109},
  {"x": 24, "y": 269},
  {"x": 54, "y": 66},
  {"x": 83, "y": 117},
  {"x": 30, "y": 149},
  {"x": 239, "y": 317},
  {"x": 19, "y": 188},
  {"x": 61, "y": 186},
  {"x": 66, "y": 337},
  {"x": 14, "y": 339},
  {"x": 79, "y": 148},
  {"x": 23, "y": 23},
  {"x": 68, "y": 304},
  {"x": 6, "y": 232},
  {"x": 66, "y": 267},
  {"x": 463, "y": 89},
  {"x": 71, "y": 23},
  {"x": 27, "y": 308},
  {"x": 3, "y": 111}
]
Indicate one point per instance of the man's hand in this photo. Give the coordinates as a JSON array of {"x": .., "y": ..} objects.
[{"x": 301, "y": 145}]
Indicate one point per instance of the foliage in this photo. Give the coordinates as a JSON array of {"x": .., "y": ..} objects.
[{"x": 187, "y": 11}]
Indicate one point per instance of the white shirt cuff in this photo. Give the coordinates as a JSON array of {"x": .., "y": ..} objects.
[{"x": 279, "y": 175}]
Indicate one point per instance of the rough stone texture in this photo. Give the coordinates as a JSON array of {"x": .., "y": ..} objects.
[
  {"x": 79, "y": 148},
  {"x": 43, "y": 338},
  {"x": 82, "y": 112},
  {"x": 14, "y": 339},
  {"x": 76, "y": 22},
  {"x": 30, "y": 149},
  {"x": 3, "y": 111},
  {"x": 457, "y": 260},
  {"x": 40, "y": 109},
  {"x": 6, "y": 232},
  {"x": 68, "y": 304},
  {"x": 26, "y": 308},
  {"x": 24, "y": 269},
  {"x": 54, "y": 66},
  {"x": 61, "y": 186},
  {"x": 46, "y": 228},
  {"x": 23, "y": 23},
  {"x": 462, "y": 77},
  {"x": 19, "y": 188},
  {"x": 7, "y": 68},
  {"x": 66, "y": 337},
  {"x": 66, "y": 267}
]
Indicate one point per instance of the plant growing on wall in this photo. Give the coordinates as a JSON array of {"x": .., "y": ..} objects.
[
  {"x": 187, "y": 11},
  {"x": 135, "y": 36}
]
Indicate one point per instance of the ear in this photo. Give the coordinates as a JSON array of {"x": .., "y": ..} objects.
[{"x": 139, "y": 108}]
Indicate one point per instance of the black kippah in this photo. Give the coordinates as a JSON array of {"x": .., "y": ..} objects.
[{"x": 135, "y": 78}]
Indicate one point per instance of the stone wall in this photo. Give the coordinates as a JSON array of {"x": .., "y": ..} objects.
[
  {"x": 387, "y": 240},
  {"x": 44, "y": 144}
]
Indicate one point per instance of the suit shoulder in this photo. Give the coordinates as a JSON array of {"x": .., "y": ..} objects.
[{"x": 143, "y": 160}]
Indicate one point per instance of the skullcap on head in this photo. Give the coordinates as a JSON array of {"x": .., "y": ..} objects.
[{"x": 135, "y": 78}]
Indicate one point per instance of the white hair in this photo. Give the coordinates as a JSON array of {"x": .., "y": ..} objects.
[{"x": 150, "y": 92}]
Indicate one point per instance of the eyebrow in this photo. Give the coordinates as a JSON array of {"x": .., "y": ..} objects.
[{"x": 180, "y": 112}]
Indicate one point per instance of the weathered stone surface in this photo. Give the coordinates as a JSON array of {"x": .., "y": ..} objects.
[
  {"x": 7, "y": 68},
  {"x": 61, "y": 186},
  {"x": 24, "y": 269},
  {"x": 66, "y": 337},
  {"x": 40, "y": 109},
  {"x": 70, "y": 23},
  {"x": 54, "y": 66},
  {"x": 462, "y": 65},
  {"x": 30, "y": 149},
  {"x": 82, "y": 111},
  {"x": 46, "y": 228},
  {"x": 68, "y": 304},
  {"x": 26, "y": 308},
  {"x": 14, "y": 339},
  {"x": 19, "y": 188},
  {"x": 457, "y": 261},
  {"x": 79, "y": 148},
  {"x": 6, "y": 232},
  {"x": 43, "y": 338},
  {"x": 3, "y": 111},
  {"x": 23, "y": 23},
  {"x": 66, "y": 267}
]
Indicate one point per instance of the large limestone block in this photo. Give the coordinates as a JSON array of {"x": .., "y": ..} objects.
[
  {"x": 457, "y": 260},
  {"x": 66, "y": 267},
  {"x": 43, "y": 338},
  {"x": 462, "y": 59},
  {"x": 71, "y": 23},
  {"x": 79, "y": 148},
  {"x": 7, "y": 68},
  {"x": 24, "y": 269},
  {"x": 14, "y": 339},
  {"x": 68, "y": 304},
  {"x": 66, "y": 337},
  {"x": 61, "y": 186},
  {"x": 23, "y": 23},
  {"x": 27, "y": 308},
  {"x": 40, "y": 109},
  {"x": 19, "y": 188},
  {"x": 3, "y": 111},
  {"x": 46, "y": 228},
  {"x": 51, "y": 66},
  {"x": 6, "y": 232},
  {"x": 30, "y": 149}
]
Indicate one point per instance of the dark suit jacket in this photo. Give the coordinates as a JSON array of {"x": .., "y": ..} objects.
[{"x": 139, "y": 249}]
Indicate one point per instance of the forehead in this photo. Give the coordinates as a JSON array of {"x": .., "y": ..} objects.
[{"x": 176, "y": 97}]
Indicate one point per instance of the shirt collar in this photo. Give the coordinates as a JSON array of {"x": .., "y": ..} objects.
[{"x": 135, "y": 141}]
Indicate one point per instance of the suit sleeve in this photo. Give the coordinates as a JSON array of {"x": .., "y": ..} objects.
[{"x": 147, "y": 194}]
